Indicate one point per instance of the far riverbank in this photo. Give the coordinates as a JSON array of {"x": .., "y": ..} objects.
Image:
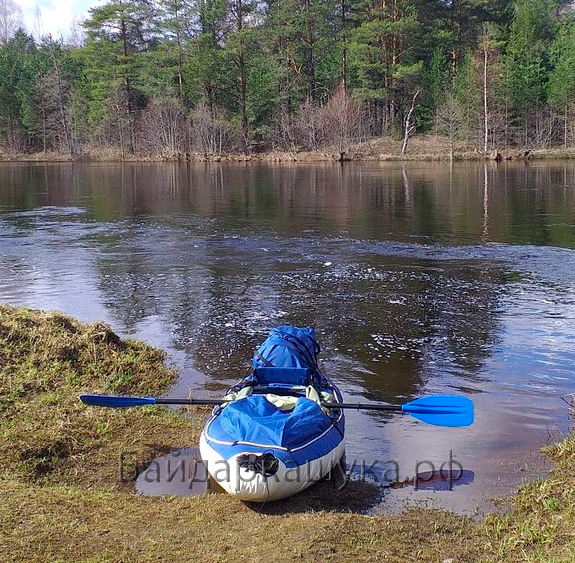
[{"x": 421, "y": 148}]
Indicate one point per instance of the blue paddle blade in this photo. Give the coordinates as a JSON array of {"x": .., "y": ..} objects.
[
  {"x": 116, "y": 402},
  {"x": 442, "y": 410}
]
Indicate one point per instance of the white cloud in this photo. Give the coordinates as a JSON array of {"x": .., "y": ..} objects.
[{"x": 56, "y": 15}]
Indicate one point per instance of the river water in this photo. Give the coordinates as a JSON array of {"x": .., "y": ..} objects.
[{"x": 420, "y": 278}]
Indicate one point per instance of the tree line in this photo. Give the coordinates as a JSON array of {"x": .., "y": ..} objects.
[{"x": 215, "y": 76}]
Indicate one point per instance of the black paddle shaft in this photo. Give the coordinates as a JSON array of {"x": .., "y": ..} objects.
[
  {"x": 190, "y": 402},
  {"x": 363, "y": 406},
  {"x": 325, "y": 405}
]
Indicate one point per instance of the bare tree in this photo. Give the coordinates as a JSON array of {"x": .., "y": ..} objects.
[
  {"x": 115, "y": 126},
  {"x": 10, "y": 19},
  {"x": 489, "y": 66},
  {"x": 42, "y": 101},
  {"x": 284, "y": 132},
  {"x": 307, "y": 125},
  {"x": 485, "y": 108},
  {"x": 51, "y": 96},
  {"x": 76, "y": 38},
  {"x": 409, "y": 122},
  {"x": 63, "y": 88},
  {"x": 341, "y": 121},
  {"x": 38, "y": 25},
  {"x": 164, "y": 127},
  {"x": 46, "y": 102},
  {"x": 449, "y": 120},
  {"x": 211, "y": 131},
  {"x": 569, "y": 125}
]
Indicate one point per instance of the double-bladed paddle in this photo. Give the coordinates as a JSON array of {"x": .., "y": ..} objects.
[{"x": 440, "y": 410}]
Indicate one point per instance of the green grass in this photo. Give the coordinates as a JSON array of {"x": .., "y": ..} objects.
[
  {"x": 60, "y": 499},
  {"x": 46, "y": 434}
]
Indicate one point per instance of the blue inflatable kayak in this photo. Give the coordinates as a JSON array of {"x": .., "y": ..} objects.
[{"x": 272, "y": 439}]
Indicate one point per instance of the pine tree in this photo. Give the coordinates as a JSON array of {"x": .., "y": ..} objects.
[
  {"x": 52, "y": 97},
  {"x": 239, "y": 51},
  {"x": 289, "y": 87},
  {"x": 467, "y": 95},
  {"x": 561, "y": 87},
  {"x": 206, "y": 77},
  {"x": 436, "y": 81},
  {"x": 304, "y": 46},
  {"x": 176, "y": 24},
  {"x": 116, "y": 34},
  {"x": 379, "y": 51},
  {"x": 18, "y": 59},
  {"x": 527, "y": 62},
  {"x": 464, "y": 21}
]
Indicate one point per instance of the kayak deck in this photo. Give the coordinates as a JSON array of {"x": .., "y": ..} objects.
[{"x": 274, "y": 413}]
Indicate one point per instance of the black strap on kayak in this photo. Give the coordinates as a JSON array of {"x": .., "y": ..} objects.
[
  {"x": 266, "y": 464},
  {"x": 297, "y": 343},
  {"x": 265, "y": 361}
]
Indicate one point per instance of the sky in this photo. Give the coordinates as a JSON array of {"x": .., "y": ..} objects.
[{"x": 57, "y": 15}]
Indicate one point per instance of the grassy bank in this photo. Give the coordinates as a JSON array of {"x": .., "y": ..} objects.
[
  {"x": 47, "y": 435},
  {"x": 421, "y": 148},
  {"x": 59, "y": 496}
]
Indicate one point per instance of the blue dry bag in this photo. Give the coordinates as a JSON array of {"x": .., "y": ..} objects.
[{"x": 289, "y": 347}]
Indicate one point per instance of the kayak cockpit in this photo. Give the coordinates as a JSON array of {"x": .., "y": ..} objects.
[{"x": 284, "y": 386}]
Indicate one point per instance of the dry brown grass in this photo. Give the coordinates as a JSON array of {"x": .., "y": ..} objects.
[
  {"x": 122, "y": 527},
  {"x": 423, "y": 147},
  {"x": 60, "y": 500}
]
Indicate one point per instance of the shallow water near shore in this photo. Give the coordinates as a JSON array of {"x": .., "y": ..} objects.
[{"x": 421, "y": 278}]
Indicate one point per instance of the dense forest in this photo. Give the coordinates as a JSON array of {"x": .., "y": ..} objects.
[{"x": 166, "y": 77}]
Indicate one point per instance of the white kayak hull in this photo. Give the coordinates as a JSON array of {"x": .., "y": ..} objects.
[{"x": 248, "y": 485}]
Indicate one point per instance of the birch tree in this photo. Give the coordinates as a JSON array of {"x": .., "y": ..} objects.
[{"x": 10, "y": 19}]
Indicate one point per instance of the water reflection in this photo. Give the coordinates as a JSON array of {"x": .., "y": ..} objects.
[
  {"x": 179, "y": 473},
  {"x": 420, "y": 277}
]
